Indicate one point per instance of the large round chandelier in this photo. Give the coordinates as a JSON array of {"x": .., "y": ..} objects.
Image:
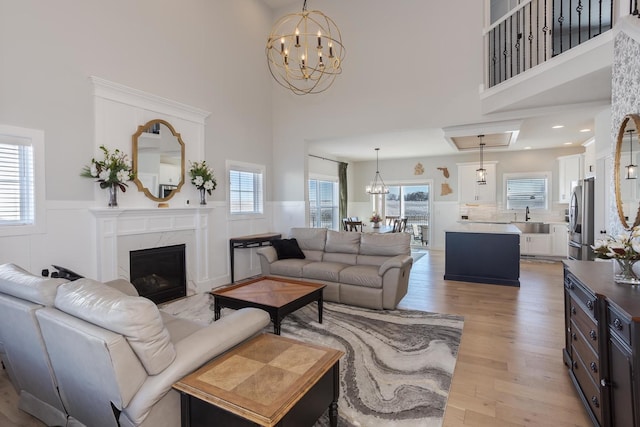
[{"x": 305, "y": 51}]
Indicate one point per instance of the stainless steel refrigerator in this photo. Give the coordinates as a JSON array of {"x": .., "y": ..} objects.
[{"x": 581, "y": 223}]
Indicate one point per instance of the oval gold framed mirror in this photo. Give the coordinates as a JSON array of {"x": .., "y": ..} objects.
[
  {"x": 158, "y": 160},
  {"x": 625, "y": 172}
]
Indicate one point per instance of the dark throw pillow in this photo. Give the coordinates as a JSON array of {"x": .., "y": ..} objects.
[{"x": 287, "y": 248}]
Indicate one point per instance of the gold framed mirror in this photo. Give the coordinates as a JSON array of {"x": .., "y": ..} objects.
[
  {"x": 626, "y": 186},
  {"x": 158, "y": 160}
]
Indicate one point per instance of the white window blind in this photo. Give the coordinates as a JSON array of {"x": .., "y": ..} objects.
[
  {"x": 245, "y": 191},
  {"x": 527, "y": 191},
  {"x": 16, "y": 182},
  {"x": 323, "y": 204}
]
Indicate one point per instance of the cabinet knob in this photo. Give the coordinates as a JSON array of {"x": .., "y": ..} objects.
[
  {"x": 595, "y": 401},
  {"x": 574, "y": 336},
  {"x": 590, "y": 305},
  {"x": 593, "y": 335},
  {"x": 618, "y": 324},
  {"x": 573, "y": 310},
  {"x": 593, "y": 366},
  {"x": 604, "y": 383}
]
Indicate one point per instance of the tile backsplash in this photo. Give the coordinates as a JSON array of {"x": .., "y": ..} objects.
[{"x": 480, "y": 212}]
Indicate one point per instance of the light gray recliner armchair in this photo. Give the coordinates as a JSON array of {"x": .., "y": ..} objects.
[
  {"x": 22, "y": 348},
  {"x": 115, "y": 356}
]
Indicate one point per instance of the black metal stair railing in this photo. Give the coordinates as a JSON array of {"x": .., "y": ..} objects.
[{"x": 537, "y": 30}]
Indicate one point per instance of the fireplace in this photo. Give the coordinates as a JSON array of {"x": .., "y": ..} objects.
[{"x": 159, "y": 273}]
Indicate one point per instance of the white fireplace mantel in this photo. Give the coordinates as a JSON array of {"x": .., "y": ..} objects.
[{"x": 113, "y": 224}]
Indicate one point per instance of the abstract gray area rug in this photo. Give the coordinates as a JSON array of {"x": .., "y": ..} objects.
[{"x": 397, "y": 366}]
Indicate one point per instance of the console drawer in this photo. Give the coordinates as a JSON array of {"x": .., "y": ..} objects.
[
  {"x": 619, "y": 324},
  {"x": 588, "y": 356},
  {"x": 590, "y": 390},
  {"x": 581, "y": 294},
  {"x": 584, "y": 323}
]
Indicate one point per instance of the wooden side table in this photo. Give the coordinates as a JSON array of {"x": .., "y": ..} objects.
[
  {"x": 251, "y": 241},
  {"x": 267, "y": 381}
]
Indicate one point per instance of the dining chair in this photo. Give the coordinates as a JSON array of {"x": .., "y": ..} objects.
[
  {"x": 424, "y": 234},
  {"x": 399, "y": 225},
  {"x": 353, "y": 226}
]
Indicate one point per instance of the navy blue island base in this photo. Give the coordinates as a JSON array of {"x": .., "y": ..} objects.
[{"x": 483, "y": 258}]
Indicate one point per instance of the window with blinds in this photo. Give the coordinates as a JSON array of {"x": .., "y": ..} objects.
[
  {"x": 323, "y": 204},
  {"x": 16, "y": 181},
  {"x": 527, "y": 191},
  {"x": 246, "y": 191}
]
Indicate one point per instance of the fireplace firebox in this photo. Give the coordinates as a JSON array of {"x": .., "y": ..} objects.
[{"x": 159, "y": 273}]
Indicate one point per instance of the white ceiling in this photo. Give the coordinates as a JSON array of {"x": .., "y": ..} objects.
[
  {"x": 535, "y": 133},
  {"x": 536, "y": 114}
]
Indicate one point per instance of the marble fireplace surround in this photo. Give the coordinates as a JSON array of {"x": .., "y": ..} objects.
[{"x": 119, "y": 231}]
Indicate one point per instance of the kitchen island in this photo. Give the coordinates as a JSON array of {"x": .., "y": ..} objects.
[{"x": 483, "y": 253}]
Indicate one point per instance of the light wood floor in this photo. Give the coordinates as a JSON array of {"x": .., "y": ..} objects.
[{"x": 509, "y": 370}]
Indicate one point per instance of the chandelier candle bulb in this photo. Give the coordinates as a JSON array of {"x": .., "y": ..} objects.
[
  {"x": 319, "y": 40},
  {"x": 282, "y": 45},
  {"x": 330, "y": 50},
  {"x": 297, "y": 38}
]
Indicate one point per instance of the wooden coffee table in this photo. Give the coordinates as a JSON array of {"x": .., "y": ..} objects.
[
  {"x": 266, "y": 381},
  {"x": 277, "y": 296}
]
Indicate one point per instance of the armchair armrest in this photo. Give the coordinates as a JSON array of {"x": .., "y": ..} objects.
[
  {"x": 123, "y": 286},
  {"x": 194, "y": 351},
  {"x": 398, "y": 261},
  {"x": 269, "y": 253}
]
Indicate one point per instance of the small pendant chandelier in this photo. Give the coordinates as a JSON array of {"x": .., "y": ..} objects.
[
  {"x": 377, "y": 185},
  {"x": 632, "y": 170},
  {"x": 305, "y": 51},
  {"x": 481, "y": 173}
]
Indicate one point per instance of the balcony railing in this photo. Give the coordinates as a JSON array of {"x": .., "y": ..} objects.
[{"x": 537, "y": 30}]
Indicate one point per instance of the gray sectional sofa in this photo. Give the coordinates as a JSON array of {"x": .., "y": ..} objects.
[{"x": 362, "y": 269}]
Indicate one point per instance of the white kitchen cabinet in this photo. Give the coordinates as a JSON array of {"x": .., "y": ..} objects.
[
  {"x": 469, "y": 189},
  {"x": 569, "y": 173},
  {"x": 559, "y": 239},
  {"x": 535, "y": 244}
]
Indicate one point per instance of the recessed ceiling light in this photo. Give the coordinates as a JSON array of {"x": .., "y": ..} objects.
[
  {"x": 527, "y": 148},
  {"x": 557, "y": 127},
  {"x": 568, "y": 143},
  {"x": 585, "y": 130}
]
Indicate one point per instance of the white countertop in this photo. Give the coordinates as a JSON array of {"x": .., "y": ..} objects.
[{"x": 475, "y": 227}]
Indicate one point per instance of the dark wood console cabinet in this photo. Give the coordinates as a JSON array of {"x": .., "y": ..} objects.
[{"x": 602, "y": 342}]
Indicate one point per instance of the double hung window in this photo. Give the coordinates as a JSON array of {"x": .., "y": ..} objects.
[
  {"x": 246, "y": 189},
  {"x": 21, "y": 179}
]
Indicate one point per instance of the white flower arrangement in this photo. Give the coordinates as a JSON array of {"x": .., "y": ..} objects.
[
  {"x": 202, "y": 176},
  {"x": 113, "y": 170}
]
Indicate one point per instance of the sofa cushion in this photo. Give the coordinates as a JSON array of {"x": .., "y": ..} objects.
[
  {"x": 346, "y": 243},
  {"x": 19, "y": 283},
  {"x": 371, "y": 260},
  {"x": 313, "y": 255},
  {"x": 310, "y": 238},
  {"x": 361, "y": 275},
  {"x": 323, "y": 270},
  {"x": 389, "y": 244},
  {"x": 289, "y": 267},
  {"x": 287, "y": 249},
  {"x": 136, "y": 318},
  {"x": 340, "y": 257}
]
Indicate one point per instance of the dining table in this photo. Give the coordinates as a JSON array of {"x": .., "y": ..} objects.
[{"x": 383, "y": 229}]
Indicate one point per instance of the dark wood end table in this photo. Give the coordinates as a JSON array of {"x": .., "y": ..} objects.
[
  {"x": 277, "y": 296},
  {"x": 266, "y": 381}
]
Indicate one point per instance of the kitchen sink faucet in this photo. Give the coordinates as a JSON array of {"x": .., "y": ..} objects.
[{"x": 527, "y": 217}]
